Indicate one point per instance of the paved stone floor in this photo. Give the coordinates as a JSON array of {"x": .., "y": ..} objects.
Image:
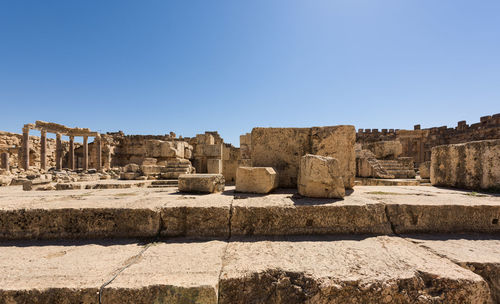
[{"x": 381, "y": 244}]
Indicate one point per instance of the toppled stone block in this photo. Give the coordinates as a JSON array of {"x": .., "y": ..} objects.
[
  {"x": 203, "y": 183},
  {"x": 256, "y": 179},
  {"x": 472, "y": 165},
  {"x": 214, "y": 166},
  {"x": 425, "y": 169},
  {"x": 132, "y": 168},
  {"x": 38, "y": 184},
  {"x": 390, "y": 149},
  {"x": 337, "y": 142},
  {"x": 129, "y": 175},
  {"x": 5, "y": 180},
  {"x": 320, "y": 176}
]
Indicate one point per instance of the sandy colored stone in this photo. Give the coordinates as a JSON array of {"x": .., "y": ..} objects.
[
  {"x": 473, "y": 165},
  {"x": 173, "y": 272},
  {"x": 478, "y": 253},
  {"x": 390, "y": 149},
  {"x": 132, "y": 168},
  {"x": 320, "y": 176},
  {"x": 337, "y": 142},
  {"x": 343, "y": 270},
  {"x": 280, "y": 148},
  {"x": 435, "y": 210},
  {"x": 286, "y": 213},
  {"x": 59, "y": 272},
  {"x": 256, "y": 179},
  {"x": 202, "y": 183},
  {"x": 214, "y": 166},
  {"x": 425, "y": 169},
  {"x": 196, "y": 215}
]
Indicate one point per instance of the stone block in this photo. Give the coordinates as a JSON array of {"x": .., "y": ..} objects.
[
  {"x": 256, "y": 179},
  {"x": 337, "y": 142},
  {"x": 128, "y": 175},
  {"x": 203, "y": 183},
  {"x": 38, "y": 184},
  {"x": 213, "y": 151},
  {"x": 320, "y": 176},
  {"x": 5, "y": 180},
  {"x": 385, "y": 149},
  {"x": 132, "y": 168},
  {"x": 149, "y": 161},
  {"x": 151, "y": 169},
  {"x": 214, "y": 166},
  {"x": 472, "y": 165},
  {"x": 281, "y": 149},
  {"x": 425, "y": 169}
]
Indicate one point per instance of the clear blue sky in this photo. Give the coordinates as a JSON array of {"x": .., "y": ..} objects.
[{"x": 150, "y": 67}]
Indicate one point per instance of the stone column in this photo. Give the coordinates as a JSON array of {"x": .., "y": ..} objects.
[
  {"x": 98, "y": 147},
  {"x": 85, "y": 164},
  {"x": 26, "y": 148},
  {"x": 5, "y": 161},
  {"x": 71, "y": 158},
  {"x": 43, "y": 150},
  {"x": 58, "y": 152}
]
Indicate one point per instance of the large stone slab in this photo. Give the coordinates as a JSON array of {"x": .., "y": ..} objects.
[
  {"x": 319, "y": 176},
  {"x": 350, "y": 270},
  {"x": 281, "y": 148},
  {"x": 173, "y": 272},
  {"x": 337, "y": 142},
  {"x": 436, "y": 210},
  {"x": 286, "y": 213},
  {"x": 59, "y": 272},
  {"x": 201, "y": 183},
  {"x": 87, "y": 214},
  {"x": 478, "y": 253},
  {"x": 256, "y": 179},
  {"x": 196, "y": 216},
  {"x": 472, "y": 165}
]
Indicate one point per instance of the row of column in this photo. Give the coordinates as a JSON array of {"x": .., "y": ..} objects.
[{"x": 59, "y": 151}]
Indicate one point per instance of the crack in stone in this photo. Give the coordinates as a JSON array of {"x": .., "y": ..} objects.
[{"x": 134, "y": 260}]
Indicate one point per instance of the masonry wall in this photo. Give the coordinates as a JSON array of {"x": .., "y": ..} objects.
[{"x": 418, "y": 143}]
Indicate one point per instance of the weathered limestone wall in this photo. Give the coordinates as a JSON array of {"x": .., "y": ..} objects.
[
  {"x": 282, "y": 148},
  {"x": 418, "y": 143},
  {"x": 120, "y": 149},
  {"x": 473, "y": 165}
]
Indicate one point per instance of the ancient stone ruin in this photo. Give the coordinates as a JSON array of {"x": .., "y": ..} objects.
[{"x": 292, "y": 215}]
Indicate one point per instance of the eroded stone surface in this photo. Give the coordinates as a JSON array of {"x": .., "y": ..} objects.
[
  {"x": 256, "y": 179},
  {"x": 201, "y": 183},
  {"x": 320, "y": 176},
  {"x": 472, "y": 165},
  {"x": 478, "y": 253},
  {"x": 59, "y": 272},
  {"x": 286, "y": 213},
  {"x": 353, "y": 270},
  {"x": 173, "y": 272}
]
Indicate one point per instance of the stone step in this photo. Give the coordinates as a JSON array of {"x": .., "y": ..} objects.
[
  {"x": 354, "y": 269},
  {"x": 150, "y": 212},
  {"x": 165, "y": 182}
]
